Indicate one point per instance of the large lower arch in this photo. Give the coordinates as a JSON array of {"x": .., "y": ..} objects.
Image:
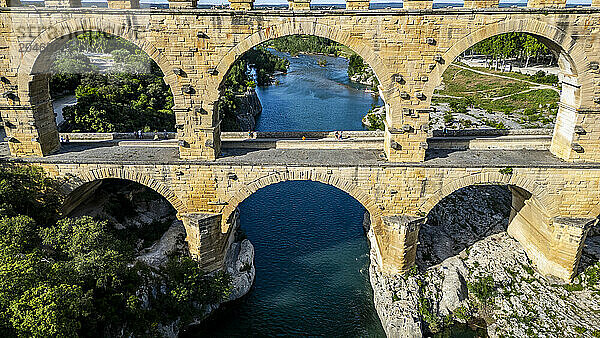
[
  {"x": 306, "y": 28},
  {"x": 491, "y": 178},
  {"x": 75, "y": 183},
  {"x": 344, "y": 185},
  {"x": 552, "y": 243}
]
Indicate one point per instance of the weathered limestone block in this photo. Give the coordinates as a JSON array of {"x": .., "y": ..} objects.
[
  {"x": 546, "y": 3},
  {"x": 31, "y": 136},
  {"x": 575, "y": 134},
  {"x": 552, "y": 244},
  {"x": 299, "y": 5},
  {"x": 123, "y": 4},
  {"x": 401, "y": 146},
  {"x": 183, "y": 4},
  {"x": 417, "y": 4},
  {"x": 205, "y": 241},
  {"x": 241, "y": 5},
  {"x": 481, "y": 3},
  {"x": 63, "y": 3},
  {"x": 396, "y": 240},
  {"x": 357, "y": 5},
  {"x": 205, "y": 143}
]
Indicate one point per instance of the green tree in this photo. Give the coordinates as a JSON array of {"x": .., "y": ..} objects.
[
  {"x": 26, "y": 190},
  {"x": 355, "y": 65},
  {"x": 50, "y": 311}
]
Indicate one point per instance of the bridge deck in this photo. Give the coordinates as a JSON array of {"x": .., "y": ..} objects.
[{"x": 112, "y": 153}]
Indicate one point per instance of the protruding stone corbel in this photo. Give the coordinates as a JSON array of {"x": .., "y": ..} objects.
[
  {"x": 188, "y": 89},
  {"x": 579, "y": 130},
  {"x": 398, "y": 78},
  {"x": 395, "y": 145}
]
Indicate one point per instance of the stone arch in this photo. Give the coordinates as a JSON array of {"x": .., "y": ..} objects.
[
  {"x": 492, "y": 178},
  {"x": 75, "y": 182},
  {"x": 342, "y": 184},
  {"x": 306, "y": 28},
  {"x": 572, "y": 57},
  {"x": 33, "y": 69},
  {"x": 33, "y": 60}
]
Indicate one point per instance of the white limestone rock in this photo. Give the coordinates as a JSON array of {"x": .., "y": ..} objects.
[
  {"x": 240, "y": 265},
  {"x": 454, "y": 286},
  {"x": 173, "y": 240}
]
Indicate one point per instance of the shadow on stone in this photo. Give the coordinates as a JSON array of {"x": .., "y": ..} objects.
[
  {"x": 591, "y": 249},
  {"x": 459, "y": 220}
]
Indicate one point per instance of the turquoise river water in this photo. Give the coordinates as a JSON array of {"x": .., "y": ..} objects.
[{"x": 312, "y": 254}]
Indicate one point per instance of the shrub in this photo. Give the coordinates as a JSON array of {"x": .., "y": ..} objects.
[{"x": 484, "y": 289}]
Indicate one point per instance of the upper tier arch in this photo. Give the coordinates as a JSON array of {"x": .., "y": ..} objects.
[
  {"x": 37, "y": 60},
  {"x": 305, "y": 28},
  {"x": 572, "y": 57}
]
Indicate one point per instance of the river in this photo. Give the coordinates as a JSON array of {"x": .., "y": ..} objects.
[
  {"x": 312, "y": 255},
  {"x": 312, "y": 267},
  {"x": 314, "y": 98}
]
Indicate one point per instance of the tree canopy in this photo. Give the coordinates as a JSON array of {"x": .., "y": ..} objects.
[
  {"x": 127, "y": 94},
  {"x": 78, "y": 276}
]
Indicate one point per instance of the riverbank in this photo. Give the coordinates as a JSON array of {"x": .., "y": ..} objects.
[
  {"x": 471, "y": 271},
  {"x": 158, "y": 236}
]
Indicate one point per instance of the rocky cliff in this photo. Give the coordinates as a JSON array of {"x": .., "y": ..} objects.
[
  {"x": 366, "y": 77},
  {"x": 471, "y": 271},
  {"x": 160, "y": 236},
  {"x": 248, "y": 109}
]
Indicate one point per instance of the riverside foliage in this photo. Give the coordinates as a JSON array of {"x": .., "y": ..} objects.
[
  {"x": 240, "y": 80},
  {"x": 296, "y": 44},
  {"x": 78, "y": 277},
  {"x": 128, "y": 95}
]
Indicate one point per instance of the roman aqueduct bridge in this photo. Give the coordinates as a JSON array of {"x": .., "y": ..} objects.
[{"x": 556, "y": 188}]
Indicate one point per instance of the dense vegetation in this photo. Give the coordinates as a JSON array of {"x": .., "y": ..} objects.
[
  {"x": 130, "y": 95},
  {"x": 295, "y": 44},
  {"x": 375, "y": 118},
  {"x": 356, "y": 65},
  {"x": 78, "y": 277},
  {"x": 521, "y": 46}
]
